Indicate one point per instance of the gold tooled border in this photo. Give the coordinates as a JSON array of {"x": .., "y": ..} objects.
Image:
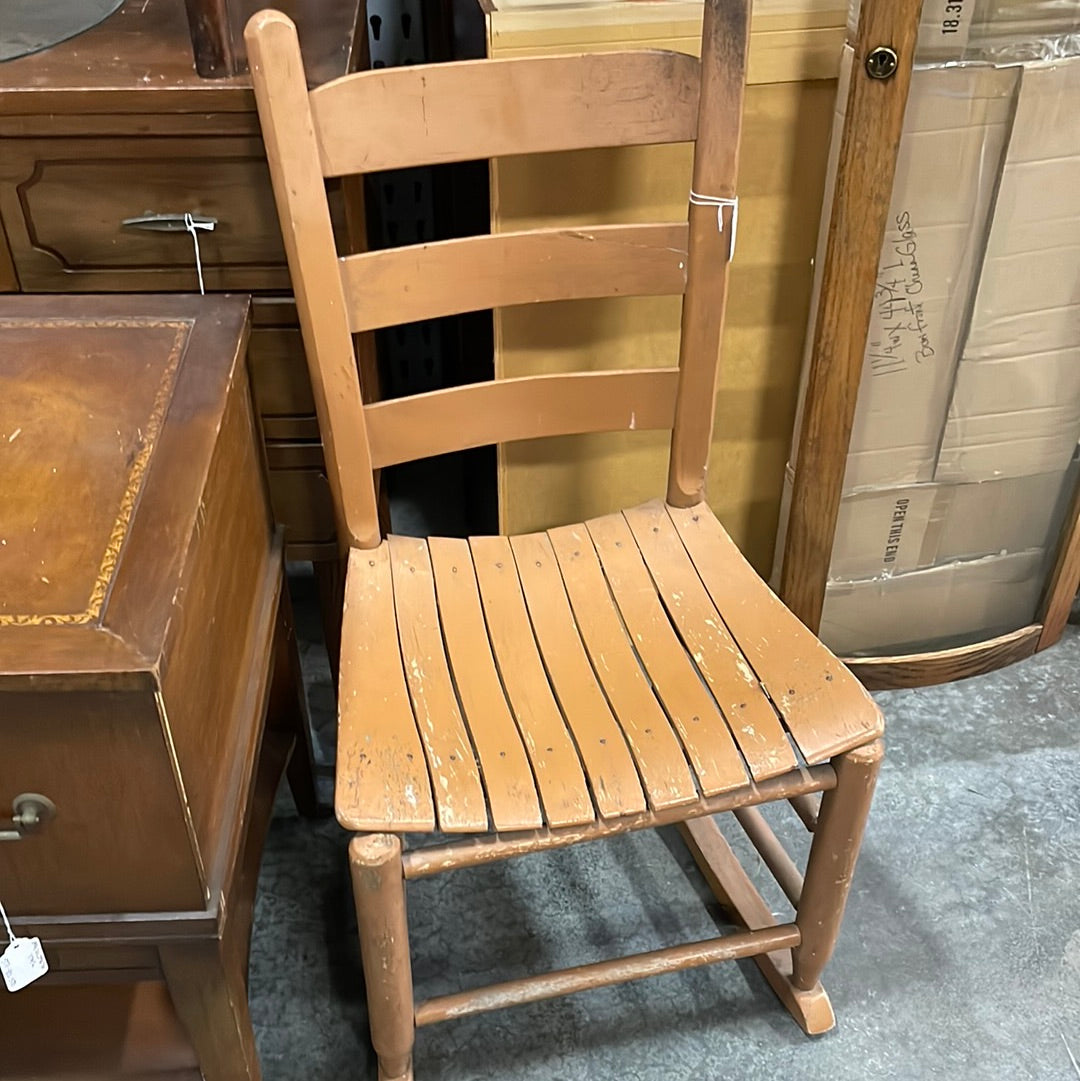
[{"x": 100, "y": 589}]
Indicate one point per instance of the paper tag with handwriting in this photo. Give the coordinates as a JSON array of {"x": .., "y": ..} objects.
[{"x": 23, "y": 962}]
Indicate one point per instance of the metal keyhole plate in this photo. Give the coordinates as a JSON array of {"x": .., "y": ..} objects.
[{"x": 882, "y": 62}]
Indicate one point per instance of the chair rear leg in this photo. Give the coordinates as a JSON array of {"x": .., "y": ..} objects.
[
  {"x": 379, "y": 893},
  {"x": 829, "y": 871}
]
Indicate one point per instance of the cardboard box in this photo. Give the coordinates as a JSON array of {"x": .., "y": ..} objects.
[
  {"x": 936, "y": 608},
  {"x": 968, "y": 412},
  {"x": 972, "y": 365},
  {"x": 889, "y": 531},
  {"x": 951, "y": 30},
  {"x": 956, "y": 131},
  {"x": 1015, "y": 408},
  {"x": 893, "y": 531}
]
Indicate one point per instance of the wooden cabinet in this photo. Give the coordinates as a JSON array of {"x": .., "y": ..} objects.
[
  {"x": 144, "y": 642},
  {"x": 137, "y": 549},
  {"x": 116, "y": 124}
]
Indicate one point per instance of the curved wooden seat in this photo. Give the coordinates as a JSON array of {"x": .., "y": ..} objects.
[{"x": 635, "y": 662}]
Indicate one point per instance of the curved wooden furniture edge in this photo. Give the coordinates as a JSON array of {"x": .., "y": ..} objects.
[{"x": 945, "y": 665}]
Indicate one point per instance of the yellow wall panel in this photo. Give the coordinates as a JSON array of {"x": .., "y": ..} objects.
[{"x": 795, "y": 50}]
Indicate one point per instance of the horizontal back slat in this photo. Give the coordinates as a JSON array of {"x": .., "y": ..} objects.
[
  {"x": 424, "y": 115},
  {"x": 426, "y": 281},
  {"x": 531, "y": 407}
]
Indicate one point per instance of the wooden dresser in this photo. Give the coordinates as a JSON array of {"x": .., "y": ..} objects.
[
  {"x": 116, "y": 124},
  {"x": 144, "y": 641}
]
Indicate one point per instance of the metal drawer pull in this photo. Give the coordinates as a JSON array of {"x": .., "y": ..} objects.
[
  {"x": 169, "y": 223},
  {"x": 30, "y": 812},
  {"x": 177, "y": 223}
]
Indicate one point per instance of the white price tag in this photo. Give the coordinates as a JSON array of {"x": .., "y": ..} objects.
[{"x": 23, "y": 962}]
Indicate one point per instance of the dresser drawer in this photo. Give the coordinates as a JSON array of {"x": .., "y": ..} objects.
[
  {"x": 119, "y": 841},
  {"x": 64, "y": 202},
  {"x": 279, "y": 379}
]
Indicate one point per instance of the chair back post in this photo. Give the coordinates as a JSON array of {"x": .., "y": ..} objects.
[
  {"x": 299, "y": 190},
  {"x": 724, "y": 45}
]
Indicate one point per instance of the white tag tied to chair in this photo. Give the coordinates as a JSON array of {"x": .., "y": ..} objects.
[{"x": 720, "y": 201}]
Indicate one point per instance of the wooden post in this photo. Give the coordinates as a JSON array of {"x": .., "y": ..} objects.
[
  {"x": 860, "y": 206},
  {"x": 211, "y": 38},
  {"x": 725, "y": 39},
  {"x": 1065, "y": 579},
  {"x": 379, "y": 893},
  {"x": 829, "y": 870},
  {"x": 211, "y": 1002}
]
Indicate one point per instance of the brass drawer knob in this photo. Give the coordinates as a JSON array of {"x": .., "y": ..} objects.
[{"x": 29, "y": 812}]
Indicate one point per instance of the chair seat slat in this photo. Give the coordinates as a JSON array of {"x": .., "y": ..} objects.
[
  {"x": 508, "y": 779},
  {"x": 660, "y": 760},
  {"x": 382, "y": 780},
  {"x": 455, "y": 776},
  {"x": 823, "y": 705},
  {"x": 692, "y": 709},
  {"x": 555, "y": 762},
  {"x": 604, "y": 751},
  {"x": 753, "y": 720}
]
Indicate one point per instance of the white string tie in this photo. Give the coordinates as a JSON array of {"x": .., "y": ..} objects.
[
  {"x": 193, "y": 227},
  {"x": 720, "y": 202},
  {"x": 7, "y": 925}
]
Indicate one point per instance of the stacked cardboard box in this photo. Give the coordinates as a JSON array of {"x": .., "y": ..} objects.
[
  {"x": 998, "y": 30},
  {"x": 968, "y": 413}
]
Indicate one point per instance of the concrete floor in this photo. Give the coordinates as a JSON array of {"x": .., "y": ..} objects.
[{"x": 959, "y": 957}]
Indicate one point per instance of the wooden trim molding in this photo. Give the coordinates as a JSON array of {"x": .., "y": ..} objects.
[{"x": 945, "y": 665}]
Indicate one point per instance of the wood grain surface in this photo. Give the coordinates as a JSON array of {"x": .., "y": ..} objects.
[
  {"x": 413, "y": 115},
  {"x": 860, "y": 203}
]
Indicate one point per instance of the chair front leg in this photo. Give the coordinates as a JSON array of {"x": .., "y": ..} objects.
[
  {"x": 829, "y": 870},
  {"x": 379, "y": 894}
]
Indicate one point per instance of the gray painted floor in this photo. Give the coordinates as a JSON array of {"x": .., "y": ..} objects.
[{"x": 959, "y": 958}]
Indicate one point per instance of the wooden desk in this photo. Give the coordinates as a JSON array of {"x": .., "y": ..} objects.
[{"x": 144, "y": 639}]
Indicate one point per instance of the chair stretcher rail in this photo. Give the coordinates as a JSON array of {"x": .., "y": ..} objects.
[{"x": 604, "y": 973}]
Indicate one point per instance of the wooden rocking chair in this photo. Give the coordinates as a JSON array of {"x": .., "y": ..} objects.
[{"x": 624, "y": 673}]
